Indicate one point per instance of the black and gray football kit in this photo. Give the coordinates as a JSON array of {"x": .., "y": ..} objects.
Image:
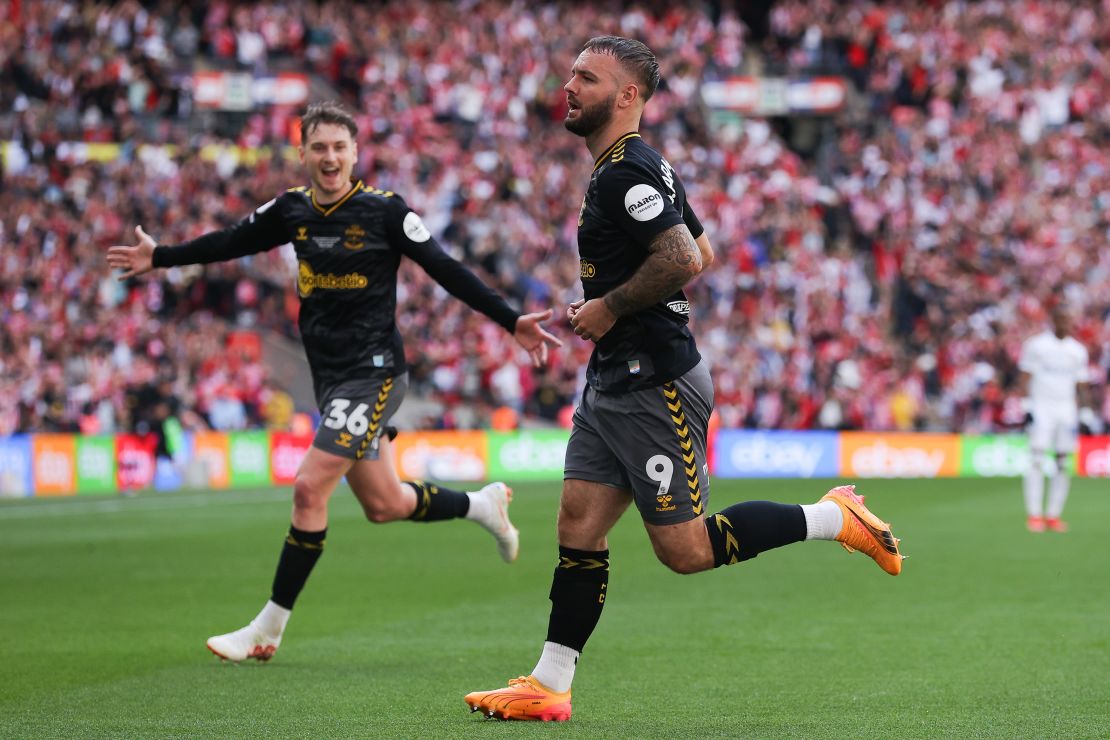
[
  {"x": 644, "y": 414},
  {"x": 348, "y": 254}
]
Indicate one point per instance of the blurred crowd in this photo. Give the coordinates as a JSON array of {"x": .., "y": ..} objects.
[{"x": 884, "y": 280}]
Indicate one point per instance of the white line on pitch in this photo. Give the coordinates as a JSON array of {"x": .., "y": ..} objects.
[{"x": 113, "y": 505}]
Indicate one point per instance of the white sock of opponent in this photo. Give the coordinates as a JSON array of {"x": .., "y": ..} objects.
[
  {"x": 823, "y": 521},
  {"x": 1058, "y": 493},
  {"x": 1034, "y": 487},
  {"x": 556, "y": 667}
]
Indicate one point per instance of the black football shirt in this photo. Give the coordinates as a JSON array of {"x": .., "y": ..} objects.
[
  {"x": 348, "y": 254},
  {"x": 633, "y": 196}
]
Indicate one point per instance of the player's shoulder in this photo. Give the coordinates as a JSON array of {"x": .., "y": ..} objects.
[
  {"x": 628, "y": 155},
  {"x": 1075, "y": 345},
  {"x": 372, "y": 192},
  {"x": 376, "y": 198},
  {"x": 1039, "y": 339},
  {"x": 291, "y": 198},
  {"x": 630, "y": 164}
]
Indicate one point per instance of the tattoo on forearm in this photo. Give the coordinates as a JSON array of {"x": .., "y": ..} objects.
[{"x": 673, "y": 261}]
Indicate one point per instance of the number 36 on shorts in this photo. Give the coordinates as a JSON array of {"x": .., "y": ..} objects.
[{"x": 356, "y": 421}]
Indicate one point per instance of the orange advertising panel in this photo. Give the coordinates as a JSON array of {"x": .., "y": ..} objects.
[
  {"x": 54, "y": 464},
  {"x": 441, "y": 456},
  {"x": 869, "y": 455},
  {"x": 210, "y": 452}
]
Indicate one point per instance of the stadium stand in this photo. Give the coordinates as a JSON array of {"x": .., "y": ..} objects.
[{"x": 881, "y": 278}]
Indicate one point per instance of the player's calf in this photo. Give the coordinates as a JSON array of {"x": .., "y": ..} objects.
[{"x": 742, "y": 531}]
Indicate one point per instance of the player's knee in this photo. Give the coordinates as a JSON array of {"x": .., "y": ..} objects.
[
  {"x": 382, "y": 512},
  {"x": 382, "y": 508},
  {"x": 307, "y": 497},
  {"x": 571, "y": 521},
  {"x": 376, "y": 515},
  {"x": 685, "y": 562}
]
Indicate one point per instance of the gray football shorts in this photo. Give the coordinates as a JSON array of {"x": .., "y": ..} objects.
[
  {"x": 651, "y": 441},
  {"x": 354, "y": 412}
]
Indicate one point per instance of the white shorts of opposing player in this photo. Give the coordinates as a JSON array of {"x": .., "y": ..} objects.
[{"x": 1054, "y": 429}]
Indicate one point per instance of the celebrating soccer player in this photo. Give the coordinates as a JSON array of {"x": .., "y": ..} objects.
[
  {"x": 639, "y": 433},
  {"x": 349, "y": 240}
]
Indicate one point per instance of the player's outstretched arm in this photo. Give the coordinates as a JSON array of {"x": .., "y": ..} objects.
[
  {"x": 534, "y": 338},
  {"x": 674, "y": 259},
  {"x": 134, "y": 260}
]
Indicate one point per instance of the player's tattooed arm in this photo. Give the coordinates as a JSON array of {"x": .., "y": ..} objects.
[{"x": 673, "y": 260}]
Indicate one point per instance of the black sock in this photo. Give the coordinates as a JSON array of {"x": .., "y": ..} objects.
[
  {"x": 436, "y": 503},
  {"x": 742, "y": 531},
  {"x": 298, "y": 556},
  {"x": 577, "y": 596}
]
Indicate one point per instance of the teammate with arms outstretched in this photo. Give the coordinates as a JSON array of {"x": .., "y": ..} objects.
[
  {"x": 639, "y": 433},
  {"x": 349, "y": 240},
  {"x": 1054, "y": 375}
]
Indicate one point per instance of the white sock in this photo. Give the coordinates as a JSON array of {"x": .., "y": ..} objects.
[
  {"x": 824, "y": 520},
  {"x": 479, "y": 506},
  {"x": 1034, "y": 489},
  {"x": 556, "y": 667},
  {"x": 1058, "y": 493},
  {"x": 272, "y": 619}
]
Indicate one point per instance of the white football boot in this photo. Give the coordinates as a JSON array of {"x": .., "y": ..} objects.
[
  {"x": 249, "y": 642},
  {"x": 489, "y": 507}
]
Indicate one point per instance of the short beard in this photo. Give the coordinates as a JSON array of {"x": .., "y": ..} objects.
[{"x": 592, "y": 119}]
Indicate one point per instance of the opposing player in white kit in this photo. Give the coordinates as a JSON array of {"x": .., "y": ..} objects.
[{"x": 1053, "y": 377}]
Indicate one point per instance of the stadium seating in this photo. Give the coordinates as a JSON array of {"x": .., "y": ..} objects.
[{"x": 883, "y": 281}]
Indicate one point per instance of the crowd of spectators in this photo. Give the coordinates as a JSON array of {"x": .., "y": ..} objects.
[{"x": 886, "y": 284}]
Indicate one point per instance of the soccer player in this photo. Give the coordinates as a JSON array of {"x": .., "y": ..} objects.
[
  {"x": 639, "y": 433},
  {"x": 1053, "y": 368},
  {"x": 349, "y": 240}
]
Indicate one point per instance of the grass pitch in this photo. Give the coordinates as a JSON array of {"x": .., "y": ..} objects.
[{"x": 989, "y": 632}]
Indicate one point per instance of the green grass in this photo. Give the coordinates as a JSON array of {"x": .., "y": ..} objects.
[{"x": 989, "y": 632}]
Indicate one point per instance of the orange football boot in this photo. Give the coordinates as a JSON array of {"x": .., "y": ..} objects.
[
  {"x": 864, "y": 531},
  {"x": 1035, "y": 524},
  {"x": 524, "y": 698}
]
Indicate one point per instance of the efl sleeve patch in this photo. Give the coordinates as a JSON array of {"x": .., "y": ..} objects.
[{"x": 415, "y": 229}]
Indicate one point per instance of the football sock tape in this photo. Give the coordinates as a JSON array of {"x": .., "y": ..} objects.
[
  {"x": 435, "y": 503},
  {"x": 298, "y": 557},
  {"x": 578, "y": 591},
  {"x": 744, "y": 530}
]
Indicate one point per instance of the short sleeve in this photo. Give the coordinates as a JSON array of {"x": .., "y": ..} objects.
[
  {"x": 1083, "y": 373},
  {"x": 637, "y": 200},
  {"x": 1027, "y": 362}
]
